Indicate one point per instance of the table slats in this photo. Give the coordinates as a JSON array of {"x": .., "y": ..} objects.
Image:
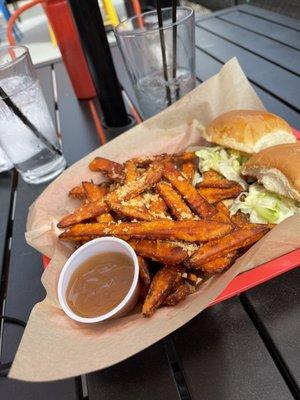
[
  {"x": 264, "y": 47},
  {"x": 270, "y": 29},
  {"x": 223, "y": 357},
  {"x": 207, "y": 66},
  {"x": 267, "y": 15},
  {"x": 278, "y": 82},
  {"x": 146, "y": 375},
  {"x": 274, "y": 307}
]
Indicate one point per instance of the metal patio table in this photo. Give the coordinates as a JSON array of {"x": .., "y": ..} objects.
[{"x": 244, "y": 348}]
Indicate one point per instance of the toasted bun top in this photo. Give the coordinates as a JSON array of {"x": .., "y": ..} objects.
[
  {"x": 249, "y": 131},
  {"x": 278, "y": 169}
]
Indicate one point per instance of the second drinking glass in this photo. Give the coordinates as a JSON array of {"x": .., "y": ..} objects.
[{"x": 160, "y": 61}]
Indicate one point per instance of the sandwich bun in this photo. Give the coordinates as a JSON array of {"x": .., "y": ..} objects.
[
  {"x": 249, "y": 131},
  {"x": 277, "y": 168}
]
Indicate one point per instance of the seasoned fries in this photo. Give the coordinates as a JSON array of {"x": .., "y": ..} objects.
[
  {"x": 197, "y": 203},
  {"x": 160, "y": 287},
  {"x": 212, "y": 179},
  {"x": 174, "y": 201},
  {"x": 188, "y": 170},
  {"x": 179, "y": 294},
  {"x": 190, "y": 231},
  {"x": 182, "y": 234},
  {"x": 83, "y": 213},
  {"x": 234, "y": 241},
  {"x": 160, "y": 251},
  {"x": 214, "y": 195},
  {"x": 110, "y": 169},
  {"x": 144, "y": 270},
  {"x": 77, "y": 192}
]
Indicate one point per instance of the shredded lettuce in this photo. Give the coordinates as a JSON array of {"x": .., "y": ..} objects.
[
  {"x": 197, "y": 179},
  {"x": 264, "y": 206},
  {"x": 226, "y": 162}
]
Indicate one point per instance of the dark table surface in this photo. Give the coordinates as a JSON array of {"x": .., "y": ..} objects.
[{"x": 244, "y": 348}]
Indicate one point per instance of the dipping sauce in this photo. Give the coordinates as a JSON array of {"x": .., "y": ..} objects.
[{"x": 99, "y": 284}]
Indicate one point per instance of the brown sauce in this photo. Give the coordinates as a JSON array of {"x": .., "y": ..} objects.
[{"x": 100, "y": 284}]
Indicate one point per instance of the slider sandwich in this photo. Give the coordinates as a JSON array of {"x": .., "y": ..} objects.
[{"x": 258, "y": 150}]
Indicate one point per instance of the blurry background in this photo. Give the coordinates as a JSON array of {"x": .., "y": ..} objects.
[{"x": 36, "y": 34}]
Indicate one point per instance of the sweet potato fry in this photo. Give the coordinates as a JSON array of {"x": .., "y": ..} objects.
[
  {"x": 223, "y": 209},
  {"x": 234, "y": 241},
  {"x": 212, "y": 179},
  {"x": 147, "y": 160},
  {"x": 155, "y": 205},
  {"x": 241, "y": 220},
  {"x": 106, "y": 217},
  {"x": 159, "y": 250},
  {"x": 132, "y": 212},
  {"x": 175, "y": 202},
  {"x": 222, "y": 214},
  {"x": 83, "y": 213},
  {"x": 219, "y": 264},
  {"x": 178, "y": 295},
  {"x": 144, "y": 270},
  {"x": 108, "y": 168},
  {"x": 77, "y": 239},
  {"x": 93, "y": 192},
  {"x": 133, "y": 189},
  {"x": 197, "y": 203},
  {"x": 130, "y": 171},
  {"x": 77, "y": 192},
  {"x": 190, "y": 231},
  {"x": 214, "y": 195},
  {"x": 185, "y": 157},
  {"x": 188, "y": 171},
  {"x": 159, "y": 289}
]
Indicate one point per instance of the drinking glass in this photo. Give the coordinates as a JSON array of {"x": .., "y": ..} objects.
[
  {"x": 27, "y": 133},
  {"x": 160, "y": 60}
]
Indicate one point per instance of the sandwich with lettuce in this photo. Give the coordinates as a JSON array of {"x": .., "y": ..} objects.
[{"x": 257, "y": 150}]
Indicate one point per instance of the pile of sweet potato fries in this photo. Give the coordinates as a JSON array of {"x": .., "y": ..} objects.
[{"x": 181, "y": 233}]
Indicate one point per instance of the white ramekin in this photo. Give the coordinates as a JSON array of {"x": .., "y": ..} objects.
[{"x": 88, "y": 250}]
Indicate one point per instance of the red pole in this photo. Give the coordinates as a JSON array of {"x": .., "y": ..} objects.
[{"x": 61, "y": 20}]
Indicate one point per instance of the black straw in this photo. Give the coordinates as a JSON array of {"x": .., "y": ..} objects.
[
  {"x": 15, "y": 109},
  {"x": 90, "y": 26},
  {"x": 174, "y": 36},
  {"x": 163, "y": 50}
]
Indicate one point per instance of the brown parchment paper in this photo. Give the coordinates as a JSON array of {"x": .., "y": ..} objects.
[{"x": 55, "y": 347}]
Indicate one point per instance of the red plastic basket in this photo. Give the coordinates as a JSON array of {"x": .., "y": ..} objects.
[{"x": 255, "y": 276}]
